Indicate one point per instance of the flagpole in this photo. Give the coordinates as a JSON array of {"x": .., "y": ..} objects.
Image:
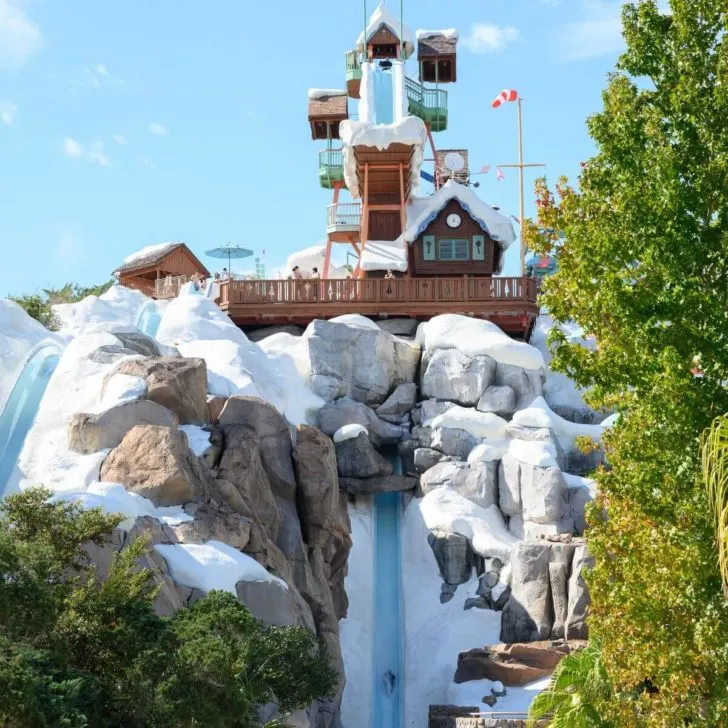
[{"x": 523, "y": 195}]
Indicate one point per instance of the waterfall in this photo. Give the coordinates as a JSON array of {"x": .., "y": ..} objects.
[
  {"x": 21, "y": 407},
  {"x": 383, "y": 95},
  {"x": 388, "y": 641}
]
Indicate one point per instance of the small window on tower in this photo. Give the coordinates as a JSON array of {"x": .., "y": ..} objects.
[{"x": 453, "y": 250}]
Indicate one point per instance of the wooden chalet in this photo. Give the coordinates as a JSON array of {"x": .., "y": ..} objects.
[
  {"x": 437, "y": 55},
  {"x": 156, "y": 265},
  {"x": 327, "y": 108}
]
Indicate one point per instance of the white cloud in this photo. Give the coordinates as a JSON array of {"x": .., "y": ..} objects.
[
  {"x": 159, "y": 129},
  {"x": 20, "y": 37},
  {"x": 597, "y": 33},
  {"x": 7, "y": 112},
  {"x": 146, "y": 162},
  {"x": 490, "y": 38},
  {"x": 119, "y": 138},
  {"x": 96, "y": 76},
  {"x": 95, "y": 154},
  {"x": 72, "y": 148}
]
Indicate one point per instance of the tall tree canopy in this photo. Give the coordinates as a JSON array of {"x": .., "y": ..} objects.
[{"x": 643, "y": 267}]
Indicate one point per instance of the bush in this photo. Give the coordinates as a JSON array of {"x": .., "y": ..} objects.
[{"x": 77, "y": 651}]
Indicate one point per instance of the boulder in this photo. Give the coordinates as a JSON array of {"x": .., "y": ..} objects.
[
  {"x": 399, "y": 326},
  {"x": 346, "y": 411},
  {"x": 157, "y": 463},
  {"x": 449, "y": 374},
  {"x": 265, "y": 331},
  {"x": 452, "y": 441},
  {"x": 500, "y": 400},
  {"x": 576, "y": 624},
  {"x": 357, "y": 458},
  {"x": 428, "y": 409},
  {"x": 214, "y": 523},
  {"x": 268, "y": 601},
  {"x": 497, "y": 663},
  {"x": 138, "y": 342},
  {"x": 478, "y": 482},
  {"x": 89, "y": 433},
  {"x": 560, "y": 558},
  {"x": 178, "y": 384},
  {"x": 454, "y": 556},
  {"x": 528, "y": 614},
  {"x": 426, "y": 458},
  {"x": 399, "y": 403},
  {"x": 578, "y": 499},
  {"x": 526, "y": 383},
  {"x": 365, "y": 364},
  {"x": 241, "y": 467},
  {"x": 318, "y": 485},
  {"x": 509, "y": 486},
  {"x": 275, "y": 439},
  {"x": 215, "y": 405},
  {"x": 370, "y": 486}
]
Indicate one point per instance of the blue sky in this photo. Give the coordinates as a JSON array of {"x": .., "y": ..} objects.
[{"x": 125, "y": 123}]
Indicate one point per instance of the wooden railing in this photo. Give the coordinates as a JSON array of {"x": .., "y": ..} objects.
[
  {"x": 383, "y": 290},
  {"x": 169, "y": 287},
  {"x": 331, "y": 158},
  {"x": 345, "y": 214}
]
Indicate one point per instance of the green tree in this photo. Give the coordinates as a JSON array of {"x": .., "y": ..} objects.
[
  {"x": 77, "y": 650},
  {"x": 578, "y": 687},
  {"x": 714, "y": 449},
  {"x": 643, "y": 269}
]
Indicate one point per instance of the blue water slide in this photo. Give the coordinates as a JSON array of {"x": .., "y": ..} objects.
[
  {"x": 388, "y": 642},
  {"x": 383, "y": 95},
  {"x": 427, "y": 176},
  {"x": 18, "y": 414},
  {"x": 149, "y": 319}
]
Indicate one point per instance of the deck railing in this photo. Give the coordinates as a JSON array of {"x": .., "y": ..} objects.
[
  {"x": 169, "y": 287},
  {"x": 383, "y": 290},
  {"x": 353, "y": 61},
  {"x": 428, "y": 98},
  {"x": 343, "y": 215}
]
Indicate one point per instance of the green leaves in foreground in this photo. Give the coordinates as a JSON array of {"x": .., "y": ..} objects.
[
  {"x": 714, "y": 449},
  {"x": 79, "y": 651}
]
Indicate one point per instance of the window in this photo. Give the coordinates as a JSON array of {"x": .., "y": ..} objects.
[{"x": 453, "y": 250}]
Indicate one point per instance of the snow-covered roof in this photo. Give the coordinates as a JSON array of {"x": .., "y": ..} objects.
[
  {"x": 447, "y": 33},
  {"x": 322, "y": 93},
  {"x": 384, "y": 255},
  {"x": 410, "y": 130},
  {"x": 149, "y": 251},
  {"x": 152, "y": 254},
  {"x": 381, "y": 16},
  {"x": 419, "y": 216}
]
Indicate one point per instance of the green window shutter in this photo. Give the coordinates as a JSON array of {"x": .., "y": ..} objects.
[
  {"x": 478, "y": 247},
  {"x": 428, "y": 247}
]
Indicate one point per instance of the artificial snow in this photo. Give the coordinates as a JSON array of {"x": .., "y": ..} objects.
[
  {"x": 481, "y": 425},
  {"x": 538, "y": 453},
  {"x": 450, "y": 33},
  {"x": 475, "y": 337},
  {"x": 381, "y": 16},
  {"x": 443, "y": 509},
  {"x": 487, "y": 452},
  {"x": 310, "y": 258},
  {"x": 114, "y": 498},
  {"x": 498, "y": 226},
  {"x": 236, "y": 365},
  {"x": 610, "y": 421},
  {"x": 148, "y": 250},
  {"x": 399, "y": 91},
  {"x": 410, "y": 131},
  {"x": 578, "y": 481},
  {"x": 349, "y": 432},
  {"x": 198, "y": 438},
  {"x": 357, "y": 629},
  {"x": 351, "y": 319},
  {"x": 120, "y": 388},
  {"x": 322, "y": 93},
  {"x": 435, "y": 633},
  {"x": 212, "y": 565},
  {"x": 516, "y": 700},
  {"x": 20, "y": 338},
  {"x": 384, "y": 255}
]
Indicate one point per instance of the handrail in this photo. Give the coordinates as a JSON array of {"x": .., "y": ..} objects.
[
  {"x": 353, "y": 60},
  {"x": 430, "y": 98},
  {"x": 331, "y": 158},
  {"x": 344, "y": 214}
]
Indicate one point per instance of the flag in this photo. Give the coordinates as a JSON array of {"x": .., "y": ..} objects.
[
  {"x": 507, "y": 95},
  {"x": 485, "y": 169},
  {"x": 499, "y": 174}
]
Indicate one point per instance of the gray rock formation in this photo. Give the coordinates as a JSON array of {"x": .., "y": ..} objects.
[
  {"x": 371, "y": 486},
  {"x": 449, "y": 374},
  {"x": 357, "y": 458},
  {"x": 452, "y": 441},
  {"x": 578, "y": 602},
  {"x": 428, "y": 409},
  {"x": 157, "y": 463},
  {"x": 364, "y": 364},
  {"x": 526, "y": 383},
  {"x": 426, "y": 458},
  {"x": 454, "y": 556},
  {"x": 178, "y": 384},
  {"x": 275, "y": 439},
  {"x": 346, "y": 411},
  {"x": 399, "y": 403},
  {"x": 478, "y": 482},
  {"x": 498, "y": 399},
  {"x": 268, "y": 601},
  {"x": 399, "y": 326},
  {"x": 560, "y": 558},
  {"x": 89, "y": 433}
]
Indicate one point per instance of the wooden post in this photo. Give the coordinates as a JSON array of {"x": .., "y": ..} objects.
[
  {"x": 522, "y": 190},
  {"x": 365, "y": 220},
  {"x": 403, "y": 202}
]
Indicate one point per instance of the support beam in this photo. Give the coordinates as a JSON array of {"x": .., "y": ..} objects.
[
  {"x": 364, "y": 221},
  {"x": 402, "y": 199}
]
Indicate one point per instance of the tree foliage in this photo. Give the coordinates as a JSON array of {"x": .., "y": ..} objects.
[
  {"x": 643, "y": 268},
  {"x": 77, "y": 650},
  {"x": 714, "y": 449},
  {"x": 40, "y": 305}
]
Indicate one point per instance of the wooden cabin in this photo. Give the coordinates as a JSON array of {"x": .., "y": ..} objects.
[
  {"x": 437, "y": 56},
  {"x": 385, "y": 37},
  {"x": 174, "y": 261},
  {"x": 326, "y": 110}
]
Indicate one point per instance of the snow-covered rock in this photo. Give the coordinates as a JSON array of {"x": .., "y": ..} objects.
[
  {"x": 449, "y": 374},
  {"x": 478, "y": 482},
  {"x": 498, "y": 399},
  {"x": 345, "y": 411},
  {"x": 118, "y": 305}
]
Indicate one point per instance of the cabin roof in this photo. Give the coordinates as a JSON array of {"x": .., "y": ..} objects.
[
  {"x": 381, "y": 16},
  {"x": 153, "y": 254},
  {"x": 436, "y": 43},
  {"x": 325, "y": 103}
]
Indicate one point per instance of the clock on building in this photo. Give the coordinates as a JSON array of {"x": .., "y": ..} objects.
[{"x": 453, "y": 220}]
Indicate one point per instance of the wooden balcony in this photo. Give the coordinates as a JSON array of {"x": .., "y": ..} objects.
[
  {"x": 343, "y": 221},
  {"x": 508, "y": 302},
  {"x": 429, "y": 104},
  {"x": 331, "y": 168}
]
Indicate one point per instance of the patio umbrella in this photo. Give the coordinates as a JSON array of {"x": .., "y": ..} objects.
[{"x": 229, "y": 251}]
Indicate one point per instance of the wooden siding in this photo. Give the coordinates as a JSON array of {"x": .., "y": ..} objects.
[
  {"x": 384, "y": 225},
  {"x": 377, "y": 44},
  {"x": 179, "y": 262},
  {"x": 418, "y": 266},
  {"x": 384, "y": 169}
]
